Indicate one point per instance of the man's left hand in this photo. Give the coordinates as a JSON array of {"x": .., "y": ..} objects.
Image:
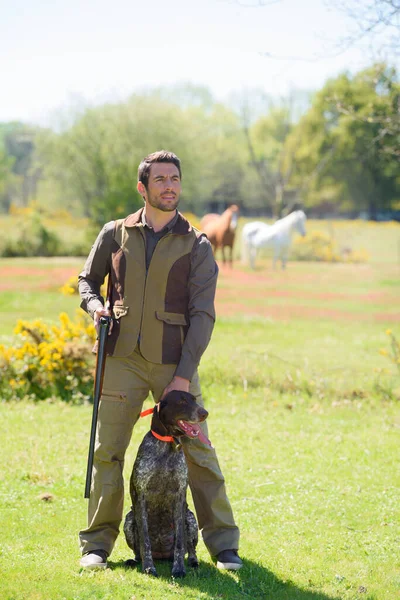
[{"x": 177, "y": 383}]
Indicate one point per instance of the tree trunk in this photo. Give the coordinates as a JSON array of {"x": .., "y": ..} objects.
[{"x": 278, "y": 205}]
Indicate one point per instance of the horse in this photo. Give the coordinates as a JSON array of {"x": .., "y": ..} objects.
[
  {"x": 221, "y": 229},
  {"x": 257, "y": 234}
]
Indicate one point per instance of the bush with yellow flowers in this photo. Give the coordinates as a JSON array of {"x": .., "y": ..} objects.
[
  {"x": 49, "y": 361},
  {"x": 193, "y": 219},
  {"x": 393, "y": 354},
  {"x": 319, "y": 246},
  {"x": 70, "y": 287}
]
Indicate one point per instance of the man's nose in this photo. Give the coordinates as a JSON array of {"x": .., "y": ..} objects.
[{"x": 168, "y": 182}]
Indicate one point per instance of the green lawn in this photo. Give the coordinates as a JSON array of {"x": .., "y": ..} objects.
[
  {"x": 314, "y": 487},
  {"x": 305, "y": 417}
]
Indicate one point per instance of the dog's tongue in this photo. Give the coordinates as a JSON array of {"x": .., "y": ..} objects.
[{"x": 193, "y": 430}]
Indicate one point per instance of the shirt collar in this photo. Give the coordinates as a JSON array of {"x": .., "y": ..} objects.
[{"x": 168, "y": 227}]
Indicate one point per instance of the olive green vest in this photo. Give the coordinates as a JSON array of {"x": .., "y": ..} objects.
[{"x": 150, "y": 309}]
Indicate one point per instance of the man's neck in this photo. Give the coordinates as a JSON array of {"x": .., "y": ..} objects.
[{"x": 157, "y": 219}]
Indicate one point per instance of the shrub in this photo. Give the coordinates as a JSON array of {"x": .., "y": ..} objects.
[
  {"x": 31, "y": 238},
  {"x": 195, "y": 221},
  {"x": 394, "y": 353},
  {"x": 36, "y": 231},
  {"x": 49, "y": 361},
  {"x": 70, "y": 287},
  {"x": 319, "y": 246}
]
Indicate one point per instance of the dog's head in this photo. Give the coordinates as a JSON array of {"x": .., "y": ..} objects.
[{"x": 180, "y": 414}]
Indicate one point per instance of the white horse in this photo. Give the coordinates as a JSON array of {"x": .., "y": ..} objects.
[{"x": 257, "y": 234}]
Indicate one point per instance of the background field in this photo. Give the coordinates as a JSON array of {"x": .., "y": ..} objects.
[{"x": 304, "y": 413}]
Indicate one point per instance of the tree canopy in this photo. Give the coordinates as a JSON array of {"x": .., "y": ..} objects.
[{"x": 339, "y": 155}]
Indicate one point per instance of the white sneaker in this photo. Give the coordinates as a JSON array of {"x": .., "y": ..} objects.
[{"x": 97, "y": 559}]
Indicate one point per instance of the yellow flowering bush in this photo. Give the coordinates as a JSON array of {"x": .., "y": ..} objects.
[
  {"x": 319, "y": 246},
  {"x": 191, "y": 217},
  {"x": 393, "y": 354},
  {"x": 70, "y": 287},
  {"x": 49, "y": 360}
]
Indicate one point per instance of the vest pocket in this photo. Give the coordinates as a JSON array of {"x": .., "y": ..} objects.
[
  {"x": 174, "y": 332},
  {"x": 171, "y": 318}
]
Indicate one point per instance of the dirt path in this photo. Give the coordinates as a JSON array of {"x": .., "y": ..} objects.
[{"x": 243, "y": 292}]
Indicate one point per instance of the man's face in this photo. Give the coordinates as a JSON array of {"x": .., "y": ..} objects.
[{"x": 164, "y": 187}]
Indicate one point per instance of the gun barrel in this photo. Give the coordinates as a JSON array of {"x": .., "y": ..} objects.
[{"x": 98, "y": 384}]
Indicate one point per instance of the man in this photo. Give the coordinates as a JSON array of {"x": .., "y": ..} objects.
[{"x": 163, "y": 279}]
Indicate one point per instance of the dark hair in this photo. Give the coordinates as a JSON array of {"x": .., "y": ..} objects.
[{"x": 161, "y": 156}]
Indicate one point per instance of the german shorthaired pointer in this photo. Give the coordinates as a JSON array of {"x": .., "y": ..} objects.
[{"x": 160, "y": 524}]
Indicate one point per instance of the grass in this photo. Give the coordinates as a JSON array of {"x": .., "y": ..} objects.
[
  {"x": 30, "y": 288},
  {"x": 314, "y": 490},
  {"x": 304, "y": 414}
]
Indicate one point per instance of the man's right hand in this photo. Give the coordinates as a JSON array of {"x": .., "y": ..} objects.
[{"x": 101, "y": 312}]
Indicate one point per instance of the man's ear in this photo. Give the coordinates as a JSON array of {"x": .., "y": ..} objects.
[{"x": 141, "y": 189}]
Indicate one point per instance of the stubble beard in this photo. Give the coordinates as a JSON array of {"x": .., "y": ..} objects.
[{"x": 163, "y": 205}]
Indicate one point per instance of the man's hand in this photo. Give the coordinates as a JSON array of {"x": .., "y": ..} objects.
[
  {"x": 177, "y": 383},
  {"x": 101, "y": 312}
]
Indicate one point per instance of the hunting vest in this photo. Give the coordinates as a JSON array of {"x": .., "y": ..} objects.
[{"x": 151, "y": 308}]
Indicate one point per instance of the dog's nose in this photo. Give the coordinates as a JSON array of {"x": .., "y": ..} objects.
[{"x": 203, "y": 414}]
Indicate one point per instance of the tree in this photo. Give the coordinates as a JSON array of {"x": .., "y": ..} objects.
[
  {"x": 19, "y": 172},
  {"x": 97, "y": 158},
  {"x": 269, "y": 153},
  {"x": 6, "y": 163},
  {"x": 374, "y": 21},
  {"x": 346, "y": 141}
]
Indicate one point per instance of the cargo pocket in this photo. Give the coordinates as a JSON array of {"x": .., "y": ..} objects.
[
  {"x": 113, "y": 408},
  {"x": 114, "y": 396}
]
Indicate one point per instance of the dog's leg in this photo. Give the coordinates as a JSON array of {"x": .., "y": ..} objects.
[
  {"x": 178, "y": 566},
  {"x": 130, "y": 531},
  {"x": 144, "y": 538},
  {"x": 192, "y": 538}
]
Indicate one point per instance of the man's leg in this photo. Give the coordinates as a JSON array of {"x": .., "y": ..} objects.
[
  {"x": 207, "y": 485},
  {"x": 124, "y": 390}
]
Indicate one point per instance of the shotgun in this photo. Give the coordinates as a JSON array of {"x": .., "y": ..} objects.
[{"x": 98, "y": 384}]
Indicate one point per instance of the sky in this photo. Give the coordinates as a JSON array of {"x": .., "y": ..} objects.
[{"x": 57, "y": 55}]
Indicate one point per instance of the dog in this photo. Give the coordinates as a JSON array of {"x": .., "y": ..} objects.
[{"x": 160, "y": 524}]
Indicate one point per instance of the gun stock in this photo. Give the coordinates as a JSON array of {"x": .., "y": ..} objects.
[{"x": 98, "y": 384}]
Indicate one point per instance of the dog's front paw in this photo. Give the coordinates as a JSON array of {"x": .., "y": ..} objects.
[
  {"x": 193, "y": 562},
  {"x": 150, "y": 571},
  {"x": 178, "y": 572}
]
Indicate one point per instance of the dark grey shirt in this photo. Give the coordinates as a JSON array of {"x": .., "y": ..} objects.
[
  {"x": 152, "y": 237},
  {"x": 202, "y": 284}
]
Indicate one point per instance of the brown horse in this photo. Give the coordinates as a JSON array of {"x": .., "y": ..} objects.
[{"x": 221, "y": 229}]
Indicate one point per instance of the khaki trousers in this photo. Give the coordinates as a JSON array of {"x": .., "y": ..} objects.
[{"x": 126, "y": 384}]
